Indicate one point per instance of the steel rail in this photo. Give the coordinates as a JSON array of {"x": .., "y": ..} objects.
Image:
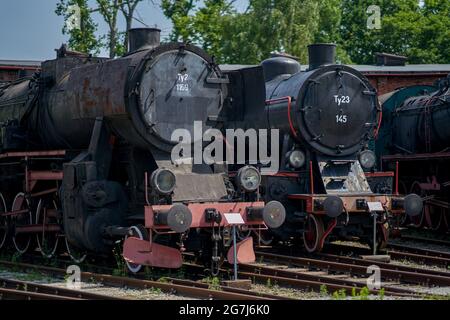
[
  {"x": 399, "y": 252},
  {"x": 361, "y": 270},
  {"x": 427, "y": 240},
  {"x": 51, "y": 290},
  {"x": 11, "y": 294},
  {"x": 303, "y": 281},
  {"x": 364, "y": 262},
  {"x": 115, "y": 281}
]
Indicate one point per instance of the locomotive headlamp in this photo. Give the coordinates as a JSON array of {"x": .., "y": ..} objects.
[
  {"x": 163, "y": 181},
  {"x": 367, "y": 159},
  {"x": 297, "y": 159},
  {"x": 248, "y": 178}
]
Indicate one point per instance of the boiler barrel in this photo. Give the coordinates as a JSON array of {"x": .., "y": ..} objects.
[
  {"x": 144, "y": 97},
  {"x": 333, "y": 109},
  {"x": 421, "y": 124}
]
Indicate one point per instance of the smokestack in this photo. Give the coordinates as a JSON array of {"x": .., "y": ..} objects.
[
  {"x": 321, "y": 54},
  {"x": 143, "y": 38}
]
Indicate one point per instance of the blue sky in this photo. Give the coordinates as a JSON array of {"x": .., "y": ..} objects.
[{"x": 30, "y": 29}]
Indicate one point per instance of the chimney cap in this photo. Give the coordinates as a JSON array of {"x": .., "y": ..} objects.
[
  {"x": 321, "y": 54},
  {"x": 143, "y": 38}
]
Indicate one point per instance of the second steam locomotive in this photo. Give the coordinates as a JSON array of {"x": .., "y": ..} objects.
[{"x": 326, "y": 117}]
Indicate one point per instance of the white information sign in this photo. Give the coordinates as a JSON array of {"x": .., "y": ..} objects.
[
  {"x": 234, "y": 218},
  {"x": 375, "y": 206}
]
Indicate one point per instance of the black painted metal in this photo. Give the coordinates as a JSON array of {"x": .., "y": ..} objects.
[
  {"x": 143, "y": 38},
  {"x": 334, "y": 109},
  {"x": 277, "y": 66},
  {"x": 321, "y": 54},
  {"x": 143, "y": 96}
]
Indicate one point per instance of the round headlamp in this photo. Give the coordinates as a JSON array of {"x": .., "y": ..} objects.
[
  {"x": 296, "y": 159},
  {"x": 367, "y": 159},
  {"x": 248, "y": 178},
  {"x": 163, "y": 181}
]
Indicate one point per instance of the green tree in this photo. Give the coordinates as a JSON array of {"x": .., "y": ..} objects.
[
  {"x": 328, "y": 31},
  {"x": 178, "y": 11},
  {"x": 433, "y": 44},
  {"x": 84, "y": 39},
  {"x": 281, "y": 25},
  {"x": 81, "y": 39},
  {"x": 108, "y": 10},
  {"x": 250, "y": 37},
  {"x": 418, "y": 31},
  {"x": 128, "y": 9}
]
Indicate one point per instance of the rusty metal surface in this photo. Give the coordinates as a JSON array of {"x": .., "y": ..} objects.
[
  {"x": 145, "y": 253},
  {"x": 244, "y": 252},
  {"x": 11, "y": 294},
  {"x": 198, "y": 213},
  {"x": 199, "y": 187}
]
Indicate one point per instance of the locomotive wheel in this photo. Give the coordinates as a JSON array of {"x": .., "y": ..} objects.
[
  {"x": 3, "y": 222},
  {"x": 433, "y": 217},
  {"x": 314, "y": 231},
  {"x": 141, "y": 233},
  {"x": 21, "y": 241},
  {"x": 417, "y": 221},
  {"x": 46, "y": 214},
  {"x": 77, "y": 255}
]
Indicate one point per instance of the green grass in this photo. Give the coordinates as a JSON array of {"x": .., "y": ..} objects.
[{"x": 213, "y": 283}]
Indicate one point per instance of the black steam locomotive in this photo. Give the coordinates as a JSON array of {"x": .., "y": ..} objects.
[
  {"x": 416, "y": 134},
  {"x": 86, "y": 158},
  {"x": 326, "y": 117}
]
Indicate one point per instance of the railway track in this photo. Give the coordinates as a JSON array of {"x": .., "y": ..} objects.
[
  {"x": 426, "y": 240},
  {"x": 400, "y": 252},
  {"x": 24, "y": 290},
  {"x": 300, "y": 278},
  {"x": 341, "y": 271},
  {"x": 426, "y": 256},
  {"x": 180, "y": 287},
  {"x": 11, "y": 294}
]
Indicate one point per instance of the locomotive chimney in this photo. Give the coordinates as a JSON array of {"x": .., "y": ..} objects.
[
  {"x": 321, "y": 54},
  {"x": 143, "y": 38}
]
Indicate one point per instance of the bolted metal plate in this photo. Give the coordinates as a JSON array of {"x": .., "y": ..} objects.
[
  {"x": 175, "y": 92},
  {"x": 338, "y": 114}
]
